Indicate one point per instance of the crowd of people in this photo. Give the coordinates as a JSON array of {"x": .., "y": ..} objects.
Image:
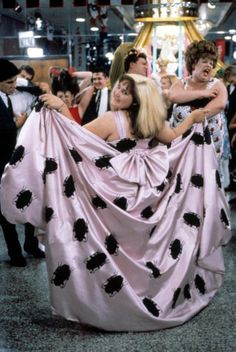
[{"x": 108, "y": 174}]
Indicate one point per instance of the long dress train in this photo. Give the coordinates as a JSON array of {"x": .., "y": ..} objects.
[{"x": 133, "y": 233}]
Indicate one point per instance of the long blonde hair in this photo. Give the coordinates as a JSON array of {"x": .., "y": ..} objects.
[{"x": 148, "y": 111}]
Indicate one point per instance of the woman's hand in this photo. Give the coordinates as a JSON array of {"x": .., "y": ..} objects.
[
  {"x": 20, "y": 119},
  {"x": 51, "y": 101},
  {"x": 199, "y": 115},
  {"x": 210, "y": 93}
]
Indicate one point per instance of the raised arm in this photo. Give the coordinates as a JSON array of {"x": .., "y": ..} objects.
[
  {"x": 84, "y": 76},
  {"x": 85, "y": 100},
  {"x": 177, "y": 93}
]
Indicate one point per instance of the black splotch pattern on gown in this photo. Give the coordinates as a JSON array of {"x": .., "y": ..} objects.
[
  {"x": 80, "y": 230},
  {"x": 197, "y": 180},
  {"x": 61, "y": 275},
  {"x": 111, "y": 244},
  {"x": 49, "y": 168},
  {"x": 17, "y": 155},
  {"x": 103, "y": 162},
  {"x": 69, "y": 186},
  {"x": 192, "y": 219},
  {"x": 95, "y": 261},
  {"x": 113, "y": 285},
  {"x": 76, "y": 156},
  {"x": 175, "y": 248}
]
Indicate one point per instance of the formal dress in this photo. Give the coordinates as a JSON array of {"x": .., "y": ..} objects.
[
  {"x": 133, "y": 232},
  {"x": 8, "y": 135},
  {"x": 216, "y": 122}
]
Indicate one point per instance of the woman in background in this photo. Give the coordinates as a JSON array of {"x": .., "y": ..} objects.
[{"x": 66, "y": 88}]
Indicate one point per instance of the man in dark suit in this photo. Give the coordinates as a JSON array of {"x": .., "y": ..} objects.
[
  {"x": 230, "y": 77},
  {"x": 8, "y": 133},
  {"x": 95, "y": 101}
]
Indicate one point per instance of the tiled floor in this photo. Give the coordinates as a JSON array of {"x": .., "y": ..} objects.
[{"x": 26, "y": 323}]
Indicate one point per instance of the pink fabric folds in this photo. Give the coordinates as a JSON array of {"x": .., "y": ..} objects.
[
  {"x": 142, "y": 166},
  {"x": 133, "y": 233}
]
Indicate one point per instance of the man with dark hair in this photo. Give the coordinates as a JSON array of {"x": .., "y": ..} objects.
[
  {"x": 8, "y": 133},
  {"x": 136, "y": 62},
  {"x": 95, "y": 100},
  {"x": 27, "y": 72}
]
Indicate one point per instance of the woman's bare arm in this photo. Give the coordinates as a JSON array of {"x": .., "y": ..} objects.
[
  {"x": 85, "y": 100},
  {"x": 177, "y": 93},
  {"x": 168, "y": 134}
]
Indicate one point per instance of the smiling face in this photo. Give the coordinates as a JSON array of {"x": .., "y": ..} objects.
[
  {"x": 203, "y": 69},
  {"x": 121, "y": 97},
  {"x": 99, "y": 80}
]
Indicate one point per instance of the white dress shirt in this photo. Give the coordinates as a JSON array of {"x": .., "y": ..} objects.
[{"x": 103, "y": 102}]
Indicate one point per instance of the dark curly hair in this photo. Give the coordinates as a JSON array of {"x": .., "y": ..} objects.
[
  {"x": 64, "y": 82},
  {"x": 200, "y": 50},
  {"x": 133, "y": 56}
]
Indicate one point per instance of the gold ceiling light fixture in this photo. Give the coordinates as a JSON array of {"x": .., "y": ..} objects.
[{"x": 165, "y": 10}]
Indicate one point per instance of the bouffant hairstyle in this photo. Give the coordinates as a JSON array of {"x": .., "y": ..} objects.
[
  {"x": 200, "y": 50},
  {"x": 133, "y": 56},
  {"x": 63, "y": 82}
]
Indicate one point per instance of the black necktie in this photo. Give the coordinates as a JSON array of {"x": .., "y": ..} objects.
[
  {"x": 98, "y": 100},
  {"x": 10, "y": 109}
]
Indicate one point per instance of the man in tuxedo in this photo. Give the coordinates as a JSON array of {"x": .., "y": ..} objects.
[
  {"x": 95, "y": 101},
  {"x": 8, "y": 134},
  {"x": 230, "y": 77}
]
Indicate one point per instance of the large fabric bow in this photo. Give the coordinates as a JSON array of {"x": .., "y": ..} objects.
[{"x": 144, "y": 167}]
